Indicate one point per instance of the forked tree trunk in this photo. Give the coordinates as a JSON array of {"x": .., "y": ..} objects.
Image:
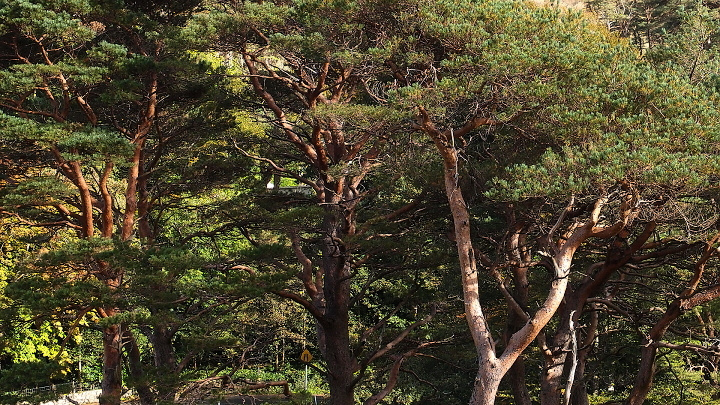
[
  {"x": 492, "y": 368},
  {"x": 339, "y": 161},
  {"x": 556, "y": 356}
]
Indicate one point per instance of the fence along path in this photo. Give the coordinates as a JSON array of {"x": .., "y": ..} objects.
[{"x": 81, "y": 393}]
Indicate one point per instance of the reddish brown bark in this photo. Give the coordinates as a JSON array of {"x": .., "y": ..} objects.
[
  {"x": 389, "y": 386},
  {"x": 86, "y": 201},
  {"x": 335, "y": 322},
  {"x": 112, "y": 364},
  {"x": 67, "y": 103},
  {"x": 107, "y": 205},
  {"x": 138, "y": 139}
]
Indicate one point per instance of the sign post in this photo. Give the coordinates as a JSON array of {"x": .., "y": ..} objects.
[{"x": 306, "y": 358}]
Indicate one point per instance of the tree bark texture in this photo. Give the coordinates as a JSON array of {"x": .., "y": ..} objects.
[
  {"x": 164, "y": 360},
  {"x": 163, "y": 351},
  {"x": 520, "y": 253},
  {"x": 336, "y": 320},
  {"x": 559, "y": 255},
  {"x": 112, "y": 366},
  {"x": 96, "y": 203},
  {"x": 339, "y": 162},
  {"x": 491, "y": 368}
]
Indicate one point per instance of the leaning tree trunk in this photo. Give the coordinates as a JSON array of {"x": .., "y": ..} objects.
[
  {"x": 648, "y": 351},
  {"x": 492, "y": 368},
  {"x": 556, "y": 359},
  {"x": 136, "y": 370},
  {"x": 644, "y": 377},
  {"x": 689, "y": 299}
]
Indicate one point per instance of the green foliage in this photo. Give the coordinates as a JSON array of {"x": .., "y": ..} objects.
[
  {"x": 692, "y": 47},
  {"x": 677, "y": 381},
  {"x": 54, "y": 19},
  {"x": 579, "y": 99}
]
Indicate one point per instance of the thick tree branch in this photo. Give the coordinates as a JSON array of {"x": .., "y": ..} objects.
[
  {"x": 314, "y": 311},
  {"x": 312, "y": 287},
  {"x": 260, "y": 90},
  {"x": 107, "y": 208}
]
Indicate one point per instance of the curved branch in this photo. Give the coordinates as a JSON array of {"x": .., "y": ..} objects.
[
  {"x": 311, "y": 286},
  {"x": 314, "y": 311}
]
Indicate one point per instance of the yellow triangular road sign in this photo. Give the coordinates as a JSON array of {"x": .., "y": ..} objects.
[{"x": 306, "y": 356}]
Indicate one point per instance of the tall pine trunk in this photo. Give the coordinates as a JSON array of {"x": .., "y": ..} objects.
[
  {"x": 340, "y": 362},
  {"x": 335, "y": 323},
  {"x": 112, "y": 365}
]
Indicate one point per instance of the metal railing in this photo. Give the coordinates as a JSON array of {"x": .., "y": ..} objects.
[{"x": 64, "y": 388}]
